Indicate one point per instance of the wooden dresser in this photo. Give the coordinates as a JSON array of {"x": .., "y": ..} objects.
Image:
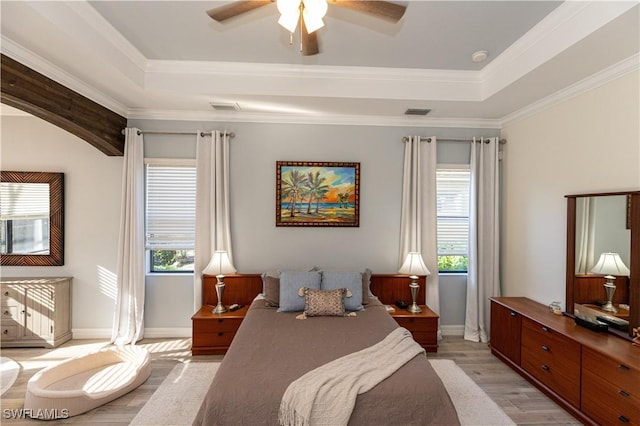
[
  {"x": 36, "y": 312},
  {"x": 213, "y": 333},
  {"x": 594, "y": 376}
]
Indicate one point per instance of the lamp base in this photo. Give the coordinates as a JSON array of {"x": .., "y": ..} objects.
[
  {"x": 219, "y": 291},
  {"x": 414, "y": 287},
  {"x": 414, "y": 308},
  {"x": 610, "y": 289}
]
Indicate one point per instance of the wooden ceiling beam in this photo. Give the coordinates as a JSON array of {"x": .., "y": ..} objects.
[{"x": 32, "y": 92}]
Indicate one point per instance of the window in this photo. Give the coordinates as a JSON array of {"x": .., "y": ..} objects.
[
  {"x": 453, "y": 186},
  {"x": 170, "y": 215}
]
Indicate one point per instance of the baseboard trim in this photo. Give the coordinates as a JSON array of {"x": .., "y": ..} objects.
[
  {"x": 452, "y": 330},
  {"x": 151, "y": 333}
]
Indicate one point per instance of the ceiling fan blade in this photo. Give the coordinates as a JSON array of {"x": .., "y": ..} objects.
[
  {"x": 308, "y": 42},
  {"x": 236, "y": 8},
  {"x": 382, "y": 9}
]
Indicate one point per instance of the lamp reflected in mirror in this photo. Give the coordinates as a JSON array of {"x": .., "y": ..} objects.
[{"x": 610, "y": 265}]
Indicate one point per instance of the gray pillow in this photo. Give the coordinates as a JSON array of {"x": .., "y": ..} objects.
[
  {"x": 271, "y": 290},
  {"x": 352, "y": 281},
  {"x": 290, "y": 283}
]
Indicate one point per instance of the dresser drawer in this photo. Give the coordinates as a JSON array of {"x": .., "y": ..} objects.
[
  {"x": 625, "y": 377},
  {"x": 10, "y": 296},
  {"x": 9, "y": 313},
  {"x": 8, "y": 331},
  {"x": 218, "y": 324},
  {"x": 213, "y": 339},
  {"x": 553, "y": 359},
  {"x": 606, "y": 402}
]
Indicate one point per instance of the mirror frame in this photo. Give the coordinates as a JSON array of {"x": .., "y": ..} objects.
[
  {"x": 56, "y": 219},
  {"x": 633, "y": 220}
]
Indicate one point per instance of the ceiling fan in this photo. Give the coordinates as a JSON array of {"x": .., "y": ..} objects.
[{"x": 309, "y": 14}]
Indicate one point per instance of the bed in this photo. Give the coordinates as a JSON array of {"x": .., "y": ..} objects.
[{"x": 272, "y": 349}]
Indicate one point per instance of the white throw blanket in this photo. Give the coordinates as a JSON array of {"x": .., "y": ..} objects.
[{"x": 327, "y": 394}]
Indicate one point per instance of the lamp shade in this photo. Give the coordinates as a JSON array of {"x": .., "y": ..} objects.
[
  {"x": 610, "y": 264},
  {"x": 414, "y": 265},
  {"x": 219, "y": 264}
]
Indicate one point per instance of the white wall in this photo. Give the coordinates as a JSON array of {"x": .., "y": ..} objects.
[
  {"x": 92, "y": 211},
  {"x": 589, "y": 143}
]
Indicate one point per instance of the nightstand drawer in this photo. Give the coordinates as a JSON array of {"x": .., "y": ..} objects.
[
  {"x": 8, "y": 331},
  {"x": 218, "y": 324},
  {"x": 10, "y": 296},
  {"x": 418, "y": 323},
  {"x": 213, "y": 339},
  {"x": 9, "y": 313}
]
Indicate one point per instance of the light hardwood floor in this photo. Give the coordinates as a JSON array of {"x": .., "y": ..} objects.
[{"x": 520, "y": 400}]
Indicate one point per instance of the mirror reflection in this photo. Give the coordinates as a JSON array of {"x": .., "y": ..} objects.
[{"x": 24, "y": 218}]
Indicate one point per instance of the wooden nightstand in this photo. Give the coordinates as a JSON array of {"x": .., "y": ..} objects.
[
  {"x": 212, "y": 333},
  {"x": 423, "y": 326}
]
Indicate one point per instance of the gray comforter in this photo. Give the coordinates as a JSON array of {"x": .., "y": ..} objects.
[{"x": 272, "y": 349}]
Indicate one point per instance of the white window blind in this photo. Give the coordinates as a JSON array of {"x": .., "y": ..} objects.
[
  {"x": 170, "y": 207},
  {"x": 24, "y": 200},
  {"x": 453, "y": 211}
]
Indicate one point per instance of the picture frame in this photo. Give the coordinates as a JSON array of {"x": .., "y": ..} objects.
[{"x": 317, "y": 194}]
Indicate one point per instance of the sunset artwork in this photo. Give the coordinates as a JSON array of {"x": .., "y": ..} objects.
[{"x": 317, "y": 194}]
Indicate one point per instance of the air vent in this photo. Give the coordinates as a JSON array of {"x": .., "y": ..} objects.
[
  {"x": 225, "y": 106},
  {"x": 417, "y": 111}
]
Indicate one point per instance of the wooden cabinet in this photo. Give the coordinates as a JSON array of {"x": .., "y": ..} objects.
[
  {"x": 507, "y": 341},
  {"x": 36, "y": 312},
  {"x": 423, "y": 326},
  {"x": 213, "y": 333},
  {"x": 594, "y": 376}
]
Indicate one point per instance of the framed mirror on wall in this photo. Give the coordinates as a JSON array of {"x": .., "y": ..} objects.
[
  {"x": 31, "y": 219},
  {"x": 603, "y": 258}
]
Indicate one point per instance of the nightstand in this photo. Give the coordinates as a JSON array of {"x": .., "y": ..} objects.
[
  {"x": 423, "y": 326},
  {"x": 212, "y": 333}
]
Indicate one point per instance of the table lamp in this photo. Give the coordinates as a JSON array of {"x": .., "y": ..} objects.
[
  {"x": 219, "y": 266},
  {"x": 609, "y": 265},
  {"x": 414, "y": 265}
]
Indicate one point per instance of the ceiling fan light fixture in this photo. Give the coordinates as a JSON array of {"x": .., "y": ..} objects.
[{"x": 289, "y": 20}]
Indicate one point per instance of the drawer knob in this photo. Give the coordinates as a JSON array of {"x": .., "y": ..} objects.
[
  {"x": 5, "y": 332},
  {"x": 623, "y": 367},
  {"x": 545, "y": 328},
  {"x": 6, "y": 293},
  {"x": 220, "y": 321},
  {"x": 513, "y": 314},
  {"x": 623, "y": 393},
  {"x": 7, "y": 313},
  {"x": 623, "y": 419},
  {"x": 545, "y": 348},
  {"x": 545, "y": 367},
  {"x": 220, "y": 334}
]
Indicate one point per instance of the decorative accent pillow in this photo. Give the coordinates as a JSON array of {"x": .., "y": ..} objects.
[
  {"x": 323, "y": 302},
  {"x": 290, "y": 283},
  {"x": 271, "y": 290},
  {"x": 352, "y": 281},
  {"x": 366, "y": 286}
]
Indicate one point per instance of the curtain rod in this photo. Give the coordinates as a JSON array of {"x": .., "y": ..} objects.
[
  {"x": 202, "y": 134},
  {"x": 428, "y": 139}
]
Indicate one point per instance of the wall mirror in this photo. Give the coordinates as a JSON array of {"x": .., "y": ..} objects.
[
  {"x": 31, "y": 219},
  {"x": 603, "y": 258}
]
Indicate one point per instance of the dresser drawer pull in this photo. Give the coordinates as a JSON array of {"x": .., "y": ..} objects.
[
  {"x": 513, "y": 314},
  {"x": 5, "y": 332},
  {"x": 220, "y": 321},
  {"x": 6, "y": 313},
  {"x": 545, "y": 328},
  {"x": 623, "y": 419},
  {"x": 623, "y": 367},
  {"x": 545, "y": 367},
  {"x": 220, "y": 334},
  {"x": 545, "y": 348},
  {"x": 6, "y": 293},
  {"x": 623, "y": 393}
]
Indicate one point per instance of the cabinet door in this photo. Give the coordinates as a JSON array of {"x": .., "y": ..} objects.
[
  {"x": 39, "y": 302},
  {"x": 505, "y": 331}
]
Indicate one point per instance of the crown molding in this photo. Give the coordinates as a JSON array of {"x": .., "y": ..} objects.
[
  {"x": 321, "y": 119},
  {"x": 566, "y": 25},
  {"x": 44, "y": 67},
  {"x": 592, "y": 82}
]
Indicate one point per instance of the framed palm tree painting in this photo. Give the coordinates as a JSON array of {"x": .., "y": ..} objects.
[{"x": 317, "y": 193}]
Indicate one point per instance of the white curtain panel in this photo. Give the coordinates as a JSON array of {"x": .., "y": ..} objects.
[
  {"x": 128, "y": 322},
  {"x": 213, "y": 227},
  {"x": 585, "y": 235},
  {"x": 418, "y": 217},
  {"x": 483, "y": 279}
]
